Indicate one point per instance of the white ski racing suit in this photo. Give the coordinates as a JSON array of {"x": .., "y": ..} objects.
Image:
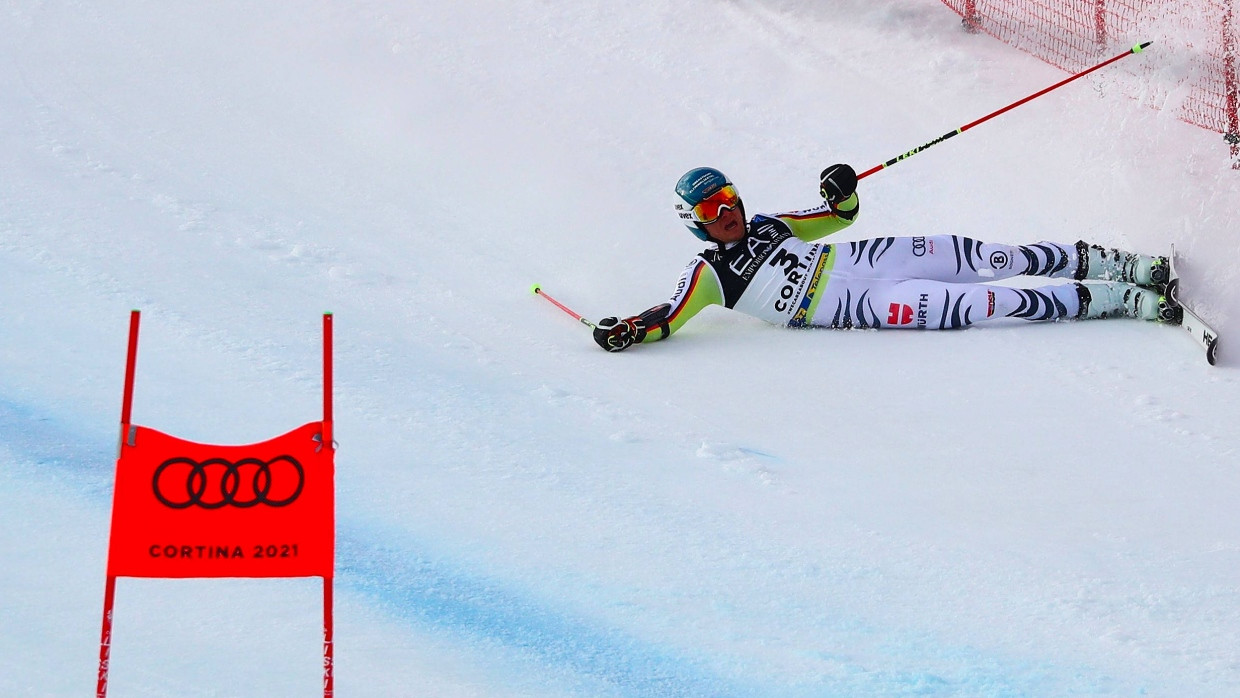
[{"x": 779, "y": 274}]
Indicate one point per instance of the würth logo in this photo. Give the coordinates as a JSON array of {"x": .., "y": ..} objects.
[
  {"x": 899, "y": 314},
  {"x": 181, "y": 483}
]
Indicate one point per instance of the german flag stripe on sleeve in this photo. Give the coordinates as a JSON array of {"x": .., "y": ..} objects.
[
  {"x": 813, "y": 214},
  {"x": 683, "y": 303}
]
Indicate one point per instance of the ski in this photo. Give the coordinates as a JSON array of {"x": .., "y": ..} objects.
[{"x": 1201, "y": 331}]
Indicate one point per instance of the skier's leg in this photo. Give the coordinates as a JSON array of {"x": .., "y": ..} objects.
[
  {"x": 935, "y": 305},
  {"x": 957, "y": 259},
  {"x": 920, "y": 304},
  {"x": 923, "y": 304},
  {"x": 953, "y": 259},
  {"x": 1082, "y": 260}
]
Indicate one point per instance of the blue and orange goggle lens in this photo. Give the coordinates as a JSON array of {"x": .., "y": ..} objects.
[{"x": 709, "y": 210}]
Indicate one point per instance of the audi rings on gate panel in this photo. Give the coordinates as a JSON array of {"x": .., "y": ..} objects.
[{"x": 180, "y": 483}]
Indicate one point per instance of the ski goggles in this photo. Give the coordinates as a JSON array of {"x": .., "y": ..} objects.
[{"x": 710, "y": 208}]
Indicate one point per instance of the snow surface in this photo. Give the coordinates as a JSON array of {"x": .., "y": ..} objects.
[{"x": 741, "y": 511}]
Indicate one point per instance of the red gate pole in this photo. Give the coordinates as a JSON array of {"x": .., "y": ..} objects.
[
  {"x": 328, "y": 675},
  {"x": 109, "y": 590},
  {"x": 131, "y": 362},
  {"x": 328, "y": 678},
  {"x": 1232, "y": 136},
  {"x": 327, "y": 381},
  {"x": 105, "y": 642},
  {"x": 1100, "y": 24},
  {"x": 970, "y": 22}
]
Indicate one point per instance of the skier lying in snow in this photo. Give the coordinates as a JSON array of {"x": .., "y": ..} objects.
[{"x": 770, "y": 268}]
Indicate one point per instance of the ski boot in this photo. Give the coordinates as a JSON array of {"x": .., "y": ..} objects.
[
  {"x": 1114, "y": 299},
  {"x": 1096, "y": 262},
  {"x": 1170, "y": 311}
]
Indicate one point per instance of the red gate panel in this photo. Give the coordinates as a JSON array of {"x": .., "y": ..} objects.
[{"x": 184, "y": 509}]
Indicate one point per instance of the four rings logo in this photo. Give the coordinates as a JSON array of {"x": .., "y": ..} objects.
[
  {"x": 180, "y": 483},
  {"x": 922, "y": 246}
]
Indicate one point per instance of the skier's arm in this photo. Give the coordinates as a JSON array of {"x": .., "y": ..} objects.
[
  {"x": 838, "y": 186},
  {"x": 698, "y": 287},
  {"x": 820, "y": 222}
]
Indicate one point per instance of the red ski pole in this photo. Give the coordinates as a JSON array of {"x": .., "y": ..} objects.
[
  {"x": 537, "y": 290},
  {"x": 1135, "y": 49}
]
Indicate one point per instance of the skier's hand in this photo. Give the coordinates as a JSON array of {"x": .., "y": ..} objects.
[
  {"x": 613, "y": 334},
  {"x": 838, "y": 182}
]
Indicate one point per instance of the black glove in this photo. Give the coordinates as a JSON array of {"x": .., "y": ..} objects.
[
  {"x": 838, "y": 182},
  {"x": 617, "y": 335}
]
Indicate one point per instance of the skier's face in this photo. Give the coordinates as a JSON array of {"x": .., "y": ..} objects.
[{"x": 728, "y": 227}]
